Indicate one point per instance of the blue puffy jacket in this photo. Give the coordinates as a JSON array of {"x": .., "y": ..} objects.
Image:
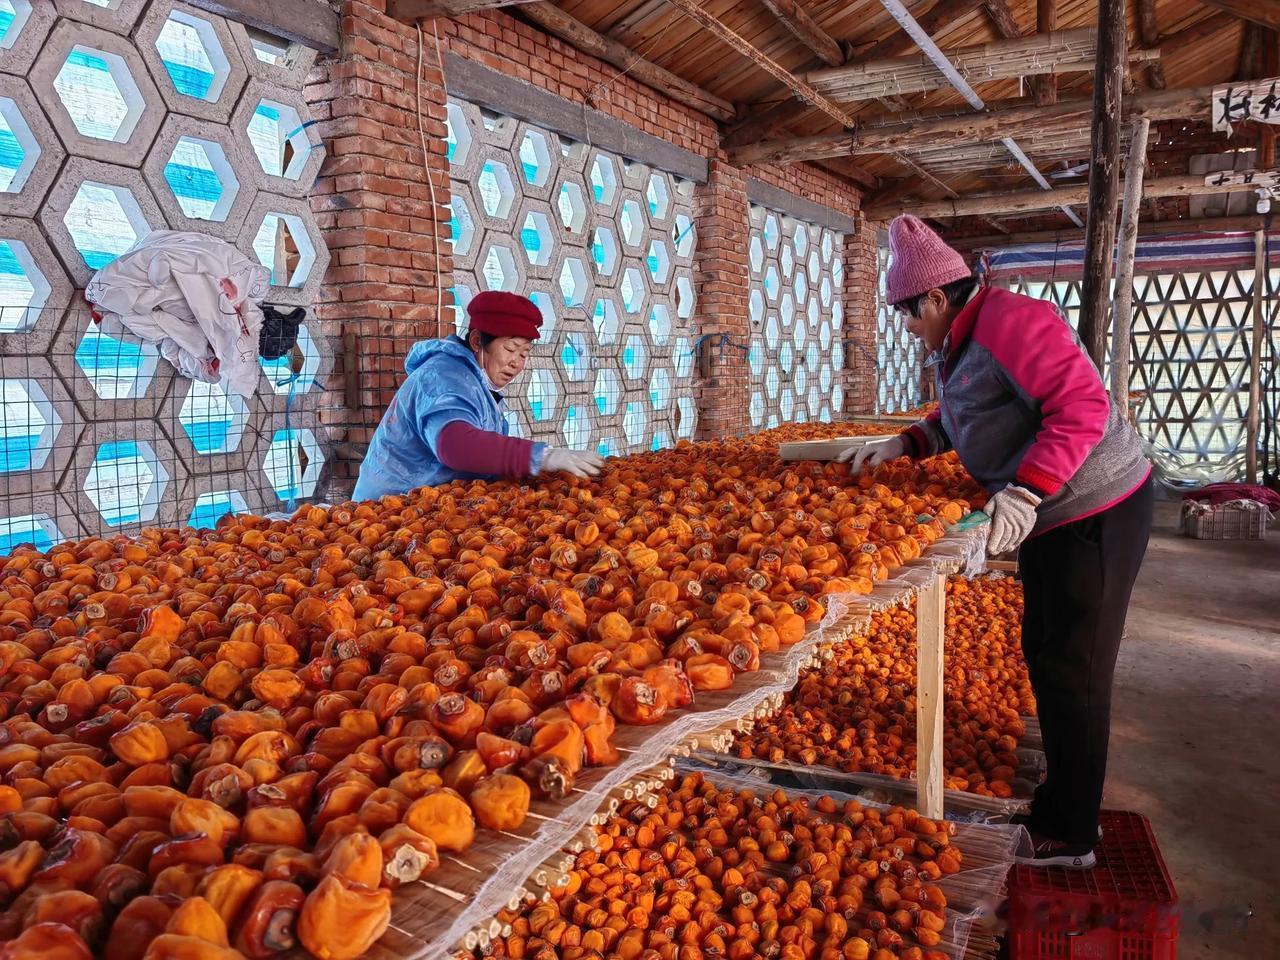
[{"x": 445, "y": 384}]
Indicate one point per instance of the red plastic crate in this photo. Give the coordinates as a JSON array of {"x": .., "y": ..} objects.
[{"x": 1125, "y": 908}]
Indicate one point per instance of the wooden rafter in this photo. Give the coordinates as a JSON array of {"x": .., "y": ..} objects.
[
  {"x": 796, "y": 19},
  {"x": 1027, "y": 201},
  {"x": 299, "y": 21},
  {"x": 1174, "y": 43},
  {"x": 1047, "y": 22},
  {"x": 577, "y": 34},
  {"x": 1002, "y": 19},
  {"x": 1162, "y": 228},
  {"x": 801, "y": 89},
  {"x": 1065, "y": 51},
  {"x": 913, "y": 133},
  {"x": 1265, "y": 13},
  {"x": 1149, "y": 36},
  {"x": 942, "y": 15},
  {"x": 410, "y": 10}
]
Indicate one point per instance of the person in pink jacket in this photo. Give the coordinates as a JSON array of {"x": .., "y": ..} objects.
[{"x": 1025, "y": 408}]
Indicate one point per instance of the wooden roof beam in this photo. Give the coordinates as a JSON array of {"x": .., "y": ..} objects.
[
  {"x": 797, "y": 86},
  {"x": 311, "y": 24},
  {"x": 1002, "y": 19},
  {"x": 1265, "y": 13},
  {"x": 578, "y": 35},
  {"x": 1149, "y": 36},
  {"x": 1047, "y": 22},
  {"x": 1173, "y": 43},
  {"x": 806, "y": 30},
  {"x": 1030, "y": 201},
  {"x": 914, "y": 133},
  {"x": 1150, "y": 228}
]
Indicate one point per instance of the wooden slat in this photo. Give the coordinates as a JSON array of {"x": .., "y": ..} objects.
[
  {"x": 801, "y": 89},
  {"x": 411, "y": 10},
  {"x": 1046, "y": 21},
  {"x": 823, "y": 449},
  {"x": 1160, "y": 228},
  {"x": 931, "y": 620},
  {"x": 312, "y": 24},
  {"x": 797, "y": 20},
  {"x": 558, "y": 23}
]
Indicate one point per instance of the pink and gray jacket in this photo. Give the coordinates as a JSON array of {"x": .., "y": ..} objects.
[{"x": 1022, "y": 403}]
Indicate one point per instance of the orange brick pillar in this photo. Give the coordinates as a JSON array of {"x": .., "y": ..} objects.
[
  {"x": 374, "y": 201},
  {"x": 861, "y": 277},
  {"x": 722, "y": 275}
]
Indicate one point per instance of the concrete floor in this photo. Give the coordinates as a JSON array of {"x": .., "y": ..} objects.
[{"x": 1195, "y": 741}]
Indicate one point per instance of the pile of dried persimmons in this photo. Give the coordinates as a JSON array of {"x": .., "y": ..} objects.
[
  {"x": 857, "y": 713},
  {"x": 231, "y": 743},
  {"x": 712, "y": 872}
]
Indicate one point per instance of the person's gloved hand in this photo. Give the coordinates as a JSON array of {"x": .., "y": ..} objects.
[
  {"x": 577, "y": 463},
  {"x": 874, "y": 454},
  {"x": 1013, "y": 514}
]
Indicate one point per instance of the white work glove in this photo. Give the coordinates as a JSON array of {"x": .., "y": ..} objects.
[
  {"x": 1013, "y": 515},
  {"x": 874, "y": 454},
  {"x": 577, "y": 463}
]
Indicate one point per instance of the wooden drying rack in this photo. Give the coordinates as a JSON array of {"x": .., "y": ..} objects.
[{"x": 425, "y": 911}]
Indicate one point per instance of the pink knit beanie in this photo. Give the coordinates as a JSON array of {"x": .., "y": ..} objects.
[{"x": 921, "y": 260}]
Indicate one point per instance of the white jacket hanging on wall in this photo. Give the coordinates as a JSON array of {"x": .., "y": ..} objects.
[{"x": 197, "y": 298}]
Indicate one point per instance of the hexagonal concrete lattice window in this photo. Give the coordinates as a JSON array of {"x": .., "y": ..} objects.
[
  {"x": 19, "y": 150},
  {"x": 683, "y": 353},
  {"x": 660, "y": 389},
  {"x": 535, "y": 159},
  {"x": 497, "y": 192},
  {"x": 541, "y": 394},
  {"x": 116, "y": 369},
  {"x": 24, "y": 290},
  {"x": 573, "y": 282},
  {"x": 632, "y": 290},
  {"x": 632, "y": 223},
  {"x": 279, "y": 139},
  {"x": 573, "y": 211},
  {"x": 462, "y": 226},
  {"x": 126, "y": 481},
  {"x": 770, "y": 231},
  {"x": 192, "y": 56},
  {"x": 684, "y": 236},
  {"x": 537, "y": 239},
  {"x": 575, "y": 357},
  {"x": 635, "y": 423},
  {"x": 660, "y": 323},
  {"x": 457, "y": 135},
  {"x": 104, "y": 221},
  {"x": 202, "y": 181},
  {"x": 296, "y": 371},
  {"x": 684, "y": 297},
  {"x": 284, "y": 247},
  {"x": 606, "y": 393},
  {"x": 658, "y": 195},
  {"x": 755, "y": 306},
  {"x": 604, "y": 180},
  {"x": 99, "y": 94},
  {"x": 212, "y": 419},
  {"x": 634, "y": 357},
  {"x": 604, "y": 320},
  {"x": 658, "y": 262},
  {"x": 576, "y": 428},
  {"x": 604, "y": 251},
  {"x": 211, "y": 507},
  {"x": 293, "y": 463},
  {"x": 499, "y": 270},
  {"x": 30, "y": 424},
  {"x": 37, "y": 529},
  {"x": 14, "y": 15},
  {"x": 771, "y": 283}
]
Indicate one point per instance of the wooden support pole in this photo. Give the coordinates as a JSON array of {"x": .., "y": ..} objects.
[
  {"x": 796, "y": 19},
  {"x": 885, "y": 134},
  {"x": 1149, "y": 36},
  {"x": 1002, "y": 19},
  {"x": 1104, "y": 179},
  {"x": 1027, "y": 201},
  {"x": 797, "y": 86},
  {"x": 1046, "y": 21},
  {"x": 1258, "y": 332},
  {"x": 1122, "y": 322},
  {"x": 578, "y": 35},
  {"x": 1265, "y": 13},
  {"x": 931, "y": 620}
]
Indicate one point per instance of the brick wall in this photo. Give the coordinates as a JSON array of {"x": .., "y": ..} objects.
[{"x": 375, "y": 204}]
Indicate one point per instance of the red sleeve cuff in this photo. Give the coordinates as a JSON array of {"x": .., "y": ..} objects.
[
  {"x": 1037, "y": 481},
  {"x": 466, "y": 448}
]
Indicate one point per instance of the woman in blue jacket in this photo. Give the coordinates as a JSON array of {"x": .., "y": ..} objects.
[{"x": 446, "y": 422}]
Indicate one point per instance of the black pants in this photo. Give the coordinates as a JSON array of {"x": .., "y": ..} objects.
[{"x": 1077, "y": 580}]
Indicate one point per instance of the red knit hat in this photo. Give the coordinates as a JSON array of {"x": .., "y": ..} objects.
[
  {"x": 921, "y": 260},
  {"x": 503, "y": 314}
]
